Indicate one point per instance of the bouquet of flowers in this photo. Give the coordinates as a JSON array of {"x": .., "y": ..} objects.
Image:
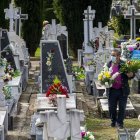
[
  {"x": 7, "y": 92},
  {"x": 56, "y": 89},
  {"x": 7, "y": 77},
  {"x": 130, "y": 66},
  {"x": 105, "y": 76},
  {"x": 9, "y": 70},
  {"x": 79, "y": 72},
  {"x": 86, "y": 135}
]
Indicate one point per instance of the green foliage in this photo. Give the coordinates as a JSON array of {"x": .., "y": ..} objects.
[
  {"x": 70, "y": 13},
  {"x": 48, "y": 10},
  {"x": 3, "y": 5},
  {"x": 32, "y": 28},
  {"x": 79, "y": 72}
]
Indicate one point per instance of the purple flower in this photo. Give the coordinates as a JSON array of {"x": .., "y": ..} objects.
[
  {"x": 83, "y": 134},
  {"x": 130, "y": 49}
]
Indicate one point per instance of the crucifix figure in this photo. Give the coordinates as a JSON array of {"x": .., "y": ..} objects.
[{"x": 132, "y": 16}]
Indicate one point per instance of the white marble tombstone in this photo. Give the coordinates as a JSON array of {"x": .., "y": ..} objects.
[
  {"x": 11, "y": 14},
  {"x": 88, "y": 28},
  {"x": 137, "y": 135},
  {"x": 61, "y": 124}
]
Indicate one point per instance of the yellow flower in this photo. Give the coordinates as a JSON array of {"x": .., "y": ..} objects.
[
  {"x": 107, "y": 74},
  {"x": 100, "y": 76}
]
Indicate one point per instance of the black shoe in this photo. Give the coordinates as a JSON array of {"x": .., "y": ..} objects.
[
  {"x": 113, "y": 124},
  {"x": 120, "y": 126}
]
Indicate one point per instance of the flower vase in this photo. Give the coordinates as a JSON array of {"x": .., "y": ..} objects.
[
  {"x": 54, "y": 102},
  {"x": 106, "y": 93}
]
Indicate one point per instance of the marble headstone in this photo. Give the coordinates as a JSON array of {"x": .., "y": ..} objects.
[{"x": 52, "y": 64}]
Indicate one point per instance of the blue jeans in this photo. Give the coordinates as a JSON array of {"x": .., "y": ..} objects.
[{"x": 115, "y": 98}]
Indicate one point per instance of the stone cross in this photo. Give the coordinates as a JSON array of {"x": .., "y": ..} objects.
[
  {"x": 18, "y": 21},
  {"x": 11, "y": 14},
  {"x": 61, "y": 124},
  {"x": 53, "y": 30},
  {"x": 132, "y": 16},
  {"x": 88, "y": 27}
]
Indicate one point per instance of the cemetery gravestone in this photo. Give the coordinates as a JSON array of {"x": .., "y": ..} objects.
[
  {"x": 5, "y": 48},
  {"x": 88, "y": 28},
  {"x": 132, "y": 16},
  {"x": 69, "y": 65},
  {"x": 63, "y": 44},
  {"x": 52, "y": 64}
]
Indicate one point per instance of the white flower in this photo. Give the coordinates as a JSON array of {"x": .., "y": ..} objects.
[
  {"x": 48, "y": 63},
  {"x": 91, "y": 137},
  {"x": 48, "y": 59},
  {"x": 115, "y": 75},
  {"x": 110, "y": 70},
  {"x": 49, "y": 54},
  {"x": 106, "y": 84}
]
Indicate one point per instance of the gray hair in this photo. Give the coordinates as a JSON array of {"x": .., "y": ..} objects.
[{"x": 116, "y": 51}]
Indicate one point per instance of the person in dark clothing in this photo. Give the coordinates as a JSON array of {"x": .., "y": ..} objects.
[{"x": 119, "y": 91}]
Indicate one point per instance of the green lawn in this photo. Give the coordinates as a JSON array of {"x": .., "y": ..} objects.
[{"x": 102, "y": 130}]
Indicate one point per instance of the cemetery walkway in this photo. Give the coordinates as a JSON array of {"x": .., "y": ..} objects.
[{"x": 21, "y": 124}]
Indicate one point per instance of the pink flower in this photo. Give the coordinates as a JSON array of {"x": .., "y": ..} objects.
[{"x": 130, "y": 49}]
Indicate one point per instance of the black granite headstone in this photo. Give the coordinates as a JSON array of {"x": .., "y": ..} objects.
[
  {"x": 5, "y": 40},
  {"x": 69, "y": 65},
  {"x": 5, "y": 49},
  {"x": 63, "y": 45},
  {"x": 52, "y": 64}
]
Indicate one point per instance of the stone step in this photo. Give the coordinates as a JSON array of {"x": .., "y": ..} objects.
[
  {"x": 34, "y": 58},
  {"x": 17, "y": 136}
]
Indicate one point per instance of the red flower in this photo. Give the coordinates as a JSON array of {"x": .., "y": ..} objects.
[{"x": 57, "y": 89}]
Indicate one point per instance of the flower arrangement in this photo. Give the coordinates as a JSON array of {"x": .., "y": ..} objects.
[
  {"x": 56, "y": 89},
  {"x": 106, "y": 78},
  {"x": 86, "y": 135},
  {"x": 9, "y": 70},
  {"x": 78, "y": 72},
  {"x": 129, "y": 46},
  {"x": 91, "y": 62},
  {"x": 130, "y": 66},
  {"x": 7, "y": 77},
  {"x": 49, "y": 59},
  {"x": 7, "y": 92}
]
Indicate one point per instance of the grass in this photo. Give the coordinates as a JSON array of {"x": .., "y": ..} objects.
[
  {"x": 102, "y": 130},
  {"x": 37, "y": 53}
]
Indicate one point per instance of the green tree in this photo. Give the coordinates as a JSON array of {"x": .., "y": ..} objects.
[
  {"x": 3, "y": 5},
  {"x": 70, "y": 13},
  {"x": 32, "y": 28},
  {"x": 48, "y": 11}
]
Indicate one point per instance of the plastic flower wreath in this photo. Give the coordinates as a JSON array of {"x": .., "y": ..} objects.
[{"x": 57, "y": 88}]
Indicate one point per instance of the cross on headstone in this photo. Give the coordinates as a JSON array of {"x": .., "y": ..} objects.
[
  {"x": 11, "y": 14},
  {"x": 18, "y": 20},
  {"x": 88, "y": 27},
  {"x": 132, "y": 16},
  {"x": 62, "y": 123}
]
